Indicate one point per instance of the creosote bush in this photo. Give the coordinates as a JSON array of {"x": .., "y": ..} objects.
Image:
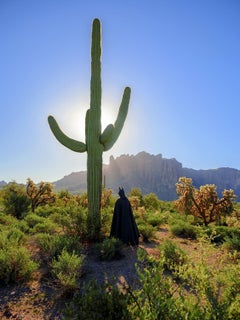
[
  {"x": 52, "y": 245},
  {"x": 16, "y": 265},
  {"x": 109, "y": 249},
  {"x": 172, "y": 255},
  {"x": 98, "y": 302},
  {"x": 67, "y": 269},
  {"x": 147, "y": 231},
  {"x": 183, "y": 229}
]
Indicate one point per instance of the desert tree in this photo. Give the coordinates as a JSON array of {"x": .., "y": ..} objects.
[
  {"x": 40, "y": 194},
  {"x": 203, "y": 203},
  {"x": 66, "y": 198}
]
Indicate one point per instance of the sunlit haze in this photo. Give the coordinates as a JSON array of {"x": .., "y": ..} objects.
[{"x": 180, "y": 58}]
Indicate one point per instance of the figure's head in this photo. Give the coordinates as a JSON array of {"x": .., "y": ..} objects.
[{"x": 121, "y": 193}]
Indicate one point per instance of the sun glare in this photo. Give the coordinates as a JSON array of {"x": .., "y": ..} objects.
[
  {"x": 108, "y": 117},
  {"x": 71, "y": 117}
]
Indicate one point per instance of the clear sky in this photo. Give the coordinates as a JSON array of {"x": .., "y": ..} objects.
[{"x": 181, "y": 59}]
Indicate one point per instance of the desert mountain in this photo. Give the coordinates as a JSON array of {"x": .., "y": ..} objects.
[
  {"x": 152, "y": 173},
  {"x": 2, "y": 184}
]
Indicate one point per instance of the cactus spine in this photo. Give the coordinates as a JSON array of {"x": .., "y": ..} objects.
[{"x": 96, "y": 142}]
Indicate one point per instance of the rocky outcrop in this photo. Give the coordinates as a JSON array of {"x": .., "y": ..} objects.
[{"x": 152, "y": 173}]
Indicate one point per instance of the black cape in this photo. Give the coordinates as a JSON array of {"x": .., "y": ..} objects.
[{"x": 123, "y": 223}]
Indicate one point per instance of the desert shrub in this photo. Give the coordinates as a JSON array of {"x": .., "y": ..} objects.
[
  {"x": 62, "y": 219},
  {"x": 219, "y": 234},
  {"x": 16, "y": 265},
  {"x": 67, "y": 269},
  {"x": 154, "y": 219},
  {"x": 70, "y": 243},
  {"x": 199, "y": 292},
  {"x": 11, "y": 237},
  {"x": 7, "y": 220},
  {"x": 46, "y": 226},
  {"x": 183, "y": 229},
  {"x": 78, "y": 218},
  {"x": 232, "y": 243},
  {"x": 15, "y": 200},
  {"x": 106, "y": 220},
  {"x": 109, "y": 249},
  {"x": 4, "y": 242},
  {"x": 73, "y": 221},
  {"x": 172, "y": 255},
  {"x": 47, "y": 210},
  {"x": 32, "y": 219},
  {"x": 151, "y": 201},
  {"x": 52, "y": 245},
  {"x": 156, "y": 297},
  {"x": 21, "y": 225},
  {"x": 98, "y": 302},
  {"x": 17, "y": 236},
  {"x": 213, "y": 292},
  {"x": 147, "y": 231},
  {"x": 46, "y": 242}
]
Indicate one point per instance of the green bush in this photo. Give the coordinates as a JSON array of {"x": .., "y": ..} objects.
[
  {"x": 109, "y": 249},
  {"x": 47, "y": 210},
  {"x": 4, "y": 242},
  {"x": 201, "y": 293},
  {"x": 172, "y": 255},
  {"x": 21, "y": 225},
  {"x": 219, "y": 234},
  {"x": 183, "y": 229},
  {"x": 15, "y": 199},
  {"x": 214, "y": 292},
  {"x": 46, "y": 226},
  {"x": 156, "y": 298},
  {"x": 32, "y": 219},
  {"x": 67, "y": 269},
  {"x": 98, "y": 302},
  {"x": 11, "y": 237},
  {"x": 232, "y": 243},
  {"x": 147, "y": 231},
  {"x": 7, "y": 220},
  {"x": 73, "y": 221},
  {"x": 106, "y": 220},
  {"x": 16, "y": 236},
  {"x": 154, "y": 219},
  {"x": 16, "y": 265},
  {"x": 78, "y": 218},
  {"x": 52, "y": 245},
  {"x": 151, "y": 201}
]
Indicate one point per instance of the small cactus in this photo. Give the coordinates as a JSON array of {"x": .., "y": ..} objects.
[{"x": 96, "y": 142}]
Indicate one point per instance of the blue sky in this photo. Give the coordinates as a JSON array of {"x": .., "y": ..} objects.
[{"x": 180, "y": 58}]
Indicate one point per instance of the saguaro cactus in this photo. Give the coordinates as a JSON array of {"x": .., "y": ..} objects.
[{"x": 95, "y": 141}]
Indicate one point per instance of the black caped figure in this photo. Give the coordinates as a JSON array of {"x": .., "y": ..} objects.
[{"x": 123, "y": 223}]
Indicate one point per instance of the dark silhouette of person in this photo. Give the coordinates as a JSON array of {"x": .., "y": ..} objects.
[{"x": 124, "y": 226}]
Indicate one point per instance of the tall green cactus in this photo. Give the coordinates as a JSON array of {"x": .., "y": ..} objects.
[{"x": 95, "y": 141}]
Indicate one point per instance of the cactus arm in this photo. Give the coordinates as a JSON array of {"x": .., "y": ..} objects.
[
  {"x": 107, "y": 133},
  {"x": 110, "y": 135},
  {"x": 72, "y": 144},
  {"x": 95, "y": 84}
]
